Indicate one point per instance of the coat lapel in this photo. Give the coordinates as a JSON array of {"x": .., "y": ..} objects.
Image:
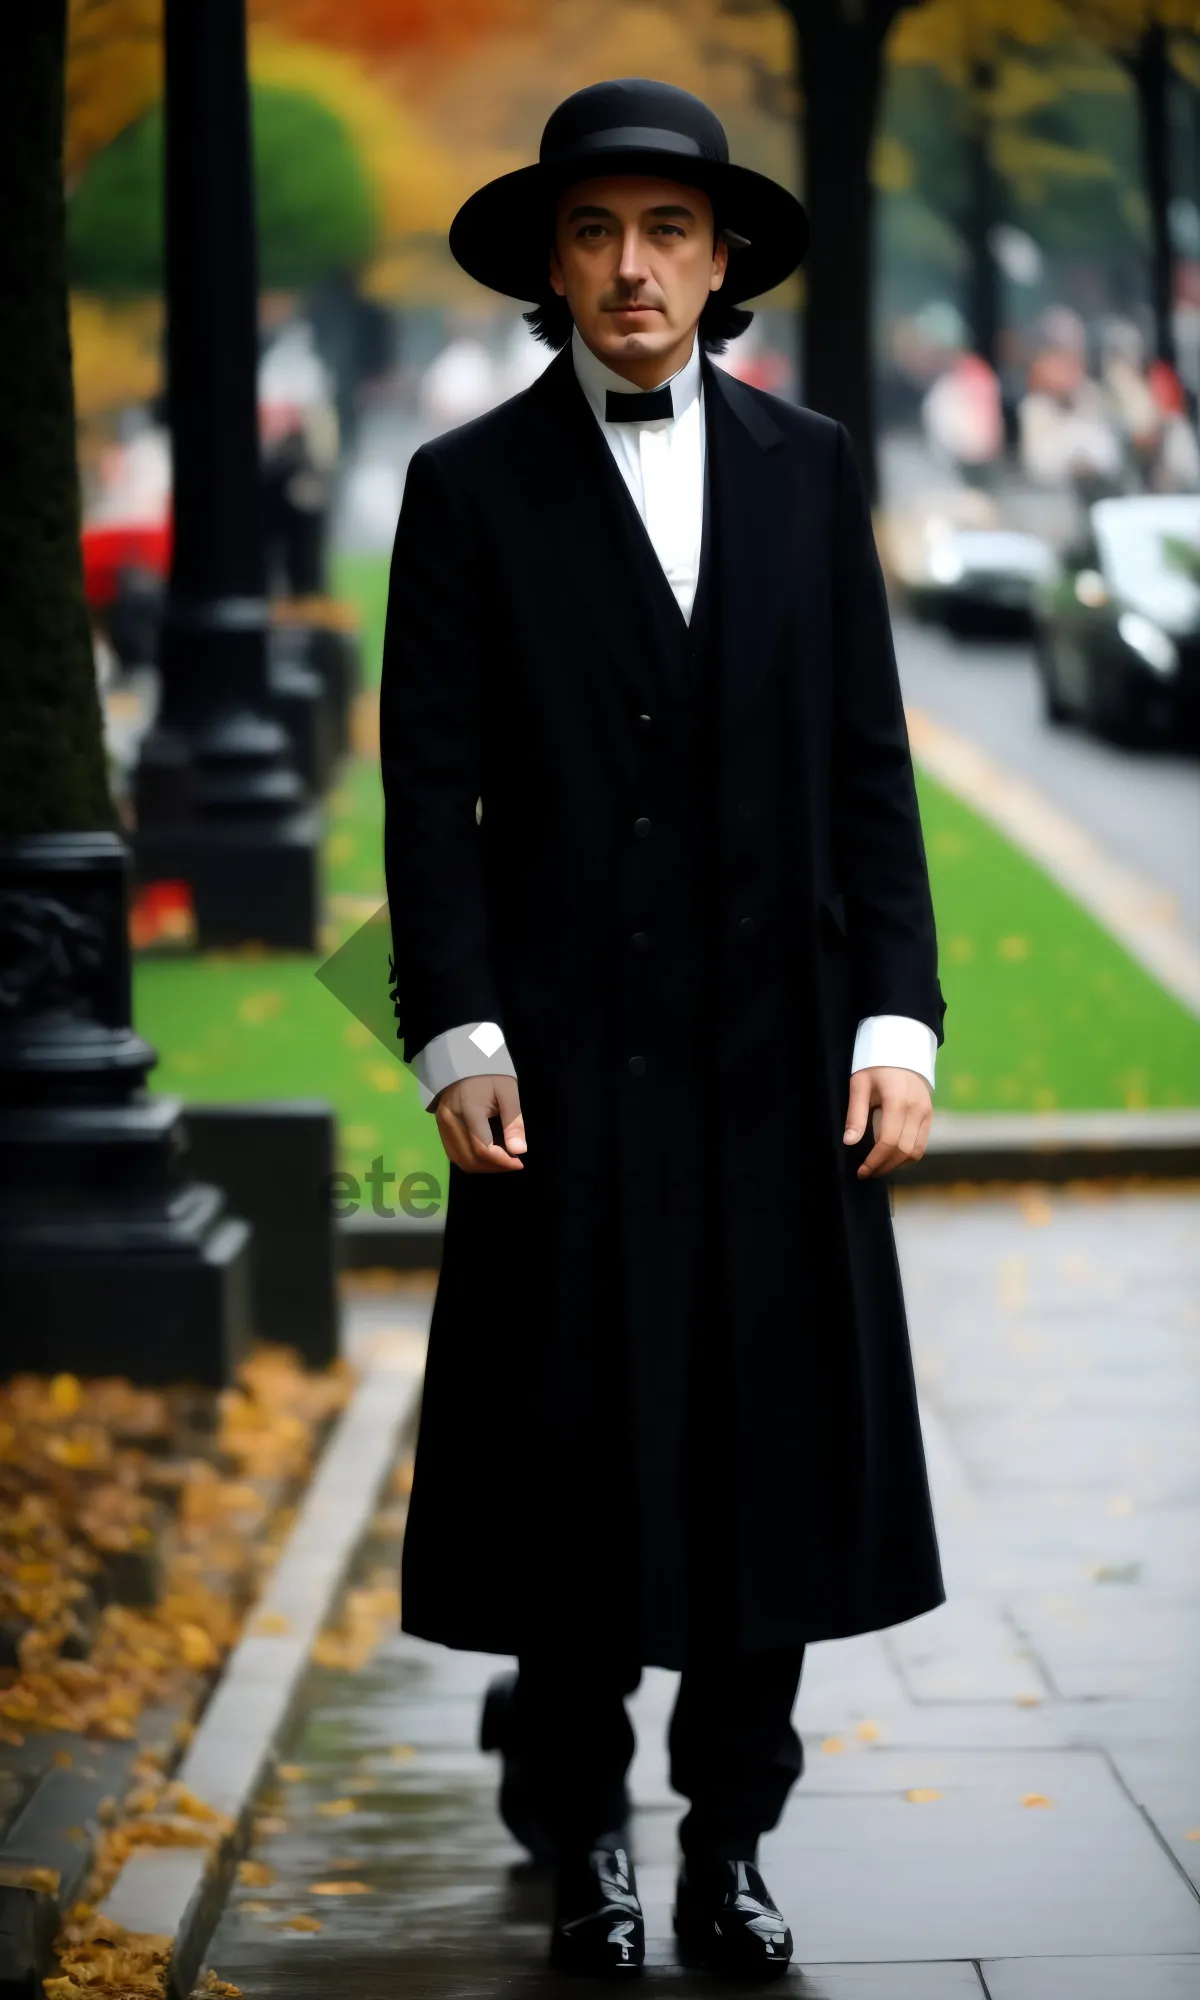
[
  {"x": 755, "y": 540},
  {"x": 594, "y": 530}
]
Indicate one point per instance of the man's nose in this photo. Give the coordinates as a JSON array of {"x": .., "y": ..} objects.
[{"x": 633, "y": 257}]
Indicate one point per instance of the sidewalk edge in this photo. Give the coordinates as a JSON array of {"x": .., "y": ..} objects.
[{"x": 179, "y": 1892}]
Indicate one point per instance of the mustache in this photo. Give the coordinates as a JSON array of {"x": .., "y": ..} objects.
[{"x": 613, "y": 301}]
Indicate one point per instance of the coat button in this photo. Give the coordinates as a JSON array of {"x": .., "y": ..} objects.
[
  {"x": 746, "y": 927},
  {"x": 641, "y": 827},
  {"x": 644, "y": 721},
  {"x": 640, "y": 940},
  {"x": 637, "y": 1065}
]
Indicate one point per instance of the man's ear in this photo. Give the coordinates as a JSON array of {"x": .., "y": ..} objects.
[{"x": 557, "y": 282}]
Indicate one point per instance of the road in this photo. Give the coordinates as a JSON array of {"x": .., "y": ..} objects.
[{"x": 1142, "y": 805}]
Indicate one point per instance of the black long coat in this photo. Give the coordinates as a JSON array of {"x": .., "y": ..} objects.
[{"x": 683, "y": 887}]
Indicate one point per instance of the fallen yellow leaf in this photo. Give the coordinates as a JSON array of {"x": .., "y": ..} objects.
[
  {"x": 832, "y": 1745},
  {"x": 867, "y": 1732},
  {"x": 197, "y": 1648},
  {"x": 336, "y": 1808},
  {"x": 43, "y": 1881},
  {"x": 922, "y": 1794},
  {"x": 1036, "y": 1799},
  {"x": 301, "y": 1924},
  {"x": 259, "y": 1007},
  {"x": 1029, "y": 1701},
  {"x": 256, "y": 1874},
  {"x": 291, "y": 1773},
  {"x": 1193, "y": 1833},
  {"x": 65, "y": 1395},
  {"x": 339, "y": 1889},
  {"x": 271, "y": 1625},
  {"x": 401, "y": 1752},
  {"x": 253, "y": 1909}
]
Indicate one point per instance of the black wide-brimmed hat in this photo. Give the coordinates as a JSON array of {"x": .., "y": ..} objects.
[{"x": 502, "y": 234}]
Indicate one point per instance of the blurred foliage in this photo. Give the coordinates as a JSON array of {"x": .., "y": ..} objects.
[
  {"x": 114, "y": 73},
  {"x": 114, "y": 58},
  {"x": 390, "y": 27},
  {"x": 316, "y": 208}
]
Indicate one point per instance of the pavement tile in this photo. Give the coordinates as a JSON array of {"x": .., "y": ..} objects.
[
  {"x": 1165, "y": 1781},
  {"x": 966, "y": 1650},
  {"x": 1161, "y": 1978},
  {"x": 1114, "y": 1645},
  {"x": 975, "y": 1872}
]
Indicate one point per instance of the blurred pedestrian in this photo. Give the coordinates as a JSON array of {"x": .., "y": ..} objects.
[
  {"x": 1068, "y": 438},
  {"x": 962, "y": 418},
  {"x": 300, "y": 444},
  {"x": 653, "y": 850}
]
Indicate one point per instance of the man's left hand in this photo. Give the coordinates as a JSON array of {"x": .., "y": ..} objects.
[{"x": 900, "y": 1107}]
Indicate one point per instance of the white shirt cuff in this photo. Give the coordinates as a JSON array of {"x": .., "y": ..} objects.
[
  {"x": 893, "y": 1041},
  {"x": 478, "y": 1048}
]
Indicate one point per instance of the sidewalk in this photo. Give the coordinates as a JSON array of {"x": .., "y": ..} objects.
[{"x": 1001, "y": 1799}]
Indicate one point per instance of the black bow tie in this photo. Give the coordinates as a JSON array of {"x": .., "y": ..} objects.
[{"x": 640, "y": 409}]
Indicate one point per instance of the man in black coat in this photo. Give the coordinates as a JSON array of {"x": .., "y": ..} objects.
[{"x": 665, "y": 969}]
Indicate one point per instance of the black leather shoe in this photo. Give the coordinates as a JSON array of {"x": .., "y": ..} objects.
[
  {"x": 725, "y": 1920},
  {"x": 598, "y": 1925},
  {"x": 518, "y": 1807}
]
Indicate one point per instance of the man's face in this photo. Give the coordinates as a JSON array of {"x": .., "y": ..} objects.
[{"x": 635, "y": 261}]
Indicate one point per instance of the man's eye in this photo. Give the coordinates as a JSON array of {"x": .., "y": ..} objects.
[{"x": 671, "y": 228}]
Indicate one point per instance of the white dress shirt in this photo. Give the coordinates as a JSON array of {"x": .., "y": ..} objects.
[{"x": 662, "y": 463}]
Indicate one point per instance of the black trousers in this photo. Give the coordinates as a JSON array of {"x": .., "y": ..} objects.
[{"x": 734, "y": 1754}]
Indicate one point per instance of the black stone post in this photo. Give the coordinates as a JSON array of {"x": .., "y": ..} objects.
[
  {"x": 219, "y": 800},
  {"x": 111, "y": 1261}
]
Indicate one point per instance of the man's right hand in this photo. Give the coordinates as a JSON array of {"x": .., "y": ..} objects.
[{"x": 463, "y": 1110}]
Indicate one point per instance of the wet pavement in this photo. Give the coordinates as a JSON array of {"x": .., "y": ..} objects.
[{"x": 1001, "y": 1798}]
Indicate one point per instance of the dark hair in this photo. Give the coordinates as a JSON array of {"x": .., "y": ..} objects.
[{"x": 720, "y": 322}]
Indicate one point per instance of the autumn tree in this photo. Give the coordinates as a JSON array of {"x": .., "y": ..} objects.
[
  {"x": 974, "y": 43},
  {"x": 114, "y": 58},
  {"x": 315, "y": 209},
  {"x": 1140, "y": 35}
]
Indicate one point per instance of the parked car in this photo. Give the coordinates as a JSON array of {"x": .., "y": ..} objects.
[
  {"x": 1117, "y": 624},
  {"x": 977, "y": 579}
]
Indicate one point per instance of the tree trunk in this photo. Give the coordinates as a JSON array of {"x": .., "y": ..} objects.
[
  {"x": 981, "y": 214},
  {"x": 841, "y": 70},
  {"x": 1150, "y": 68},
  {"x": 53, "y": 770}
]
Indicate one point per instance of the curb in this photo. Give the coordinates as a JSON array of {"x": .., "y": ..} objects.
[
  {"x": 1059, "y": 1146},
  {"x": 178, "y": 1892}
]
